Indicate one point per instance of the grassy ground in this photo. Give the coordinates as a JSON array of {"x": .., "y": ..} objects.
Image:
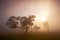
[{"x": 32, "y": 36}]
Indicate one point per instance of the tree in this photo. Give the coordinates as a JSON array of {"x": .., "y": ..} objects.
[
  {"x": 11, "y": 22},
  {"x": 27, "y": 22},
  {"x": 46, "y": 25},
  {"x": 24, "y": 21}
]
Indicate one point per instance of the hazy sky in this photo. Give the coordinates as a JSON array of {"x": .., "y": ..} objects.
[{"x": 29, "y": 7}]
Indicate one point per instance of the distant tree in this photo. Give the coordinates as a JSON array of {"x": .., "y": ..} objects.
[
  {"x": 24, "y": 21},
  {"x": 46, "y": 25}
]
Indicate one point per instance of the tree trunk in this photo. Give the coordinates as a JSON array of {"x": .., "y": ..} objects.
[{"x": 26, "y": 31}]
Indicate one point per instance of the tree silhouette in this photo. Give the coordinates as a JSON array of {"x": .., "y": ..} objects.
[
  {"x": 27, "y": 22},
  {"x": 24, "y": 21},
  {"x": 11, "y": 22},
  {"x": 46, "y": 25}
]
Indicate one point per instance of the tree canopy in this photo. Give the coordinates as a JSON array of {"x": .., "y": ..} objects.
[{"x": 24, "y": 21}]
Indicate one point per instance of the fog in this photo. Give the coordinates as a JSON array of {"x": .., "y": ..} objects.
[{"x": 29, "y": 7}]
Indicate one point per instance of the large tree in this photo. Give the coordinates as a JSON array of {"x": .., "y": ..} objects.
[{"x": 25, "y": 22}]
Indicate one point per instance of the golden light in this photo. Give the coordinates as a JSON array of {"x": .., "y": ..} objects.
[
  {"x": 43, "y": 19},
  {"x": 37, "y": 18},
  {"x": 40, "y": 18},
  {"x": 42, "y": 14}
]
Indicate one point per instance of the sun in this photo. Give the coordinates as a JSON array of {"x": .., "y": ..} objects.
[{"x": 41, "y": 18}]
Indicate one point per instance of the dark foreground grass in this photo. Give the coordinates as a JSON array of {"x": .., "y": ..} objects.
[{"x": 31, "y": 36}]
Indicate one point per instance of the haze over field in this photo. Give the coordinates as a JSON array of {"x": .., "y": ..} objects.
[{"x": 47, "y": 8}]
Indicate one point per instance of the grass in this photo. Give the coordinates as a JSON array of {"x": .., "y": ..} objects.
[{"x": 32, "y": 36}]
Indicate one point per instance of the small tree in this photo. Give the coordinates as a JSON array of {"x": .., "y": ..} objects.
[{"x": 46, "y": 25}]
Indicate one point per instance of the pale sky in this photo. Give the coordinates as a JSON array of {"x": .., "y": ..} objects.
[{"x": 50, "y": 8}]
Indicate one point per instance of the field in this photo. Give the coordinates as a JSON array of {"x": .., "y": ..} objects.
[{"x": 32, "y": 36}]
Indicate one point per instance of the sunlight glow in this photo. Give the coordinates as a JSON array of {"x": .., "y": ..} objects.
[
  {"x": 40, "y": 18},
  {"x": 42, "y": 13},
  {"x": 43, "y": 18}
]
